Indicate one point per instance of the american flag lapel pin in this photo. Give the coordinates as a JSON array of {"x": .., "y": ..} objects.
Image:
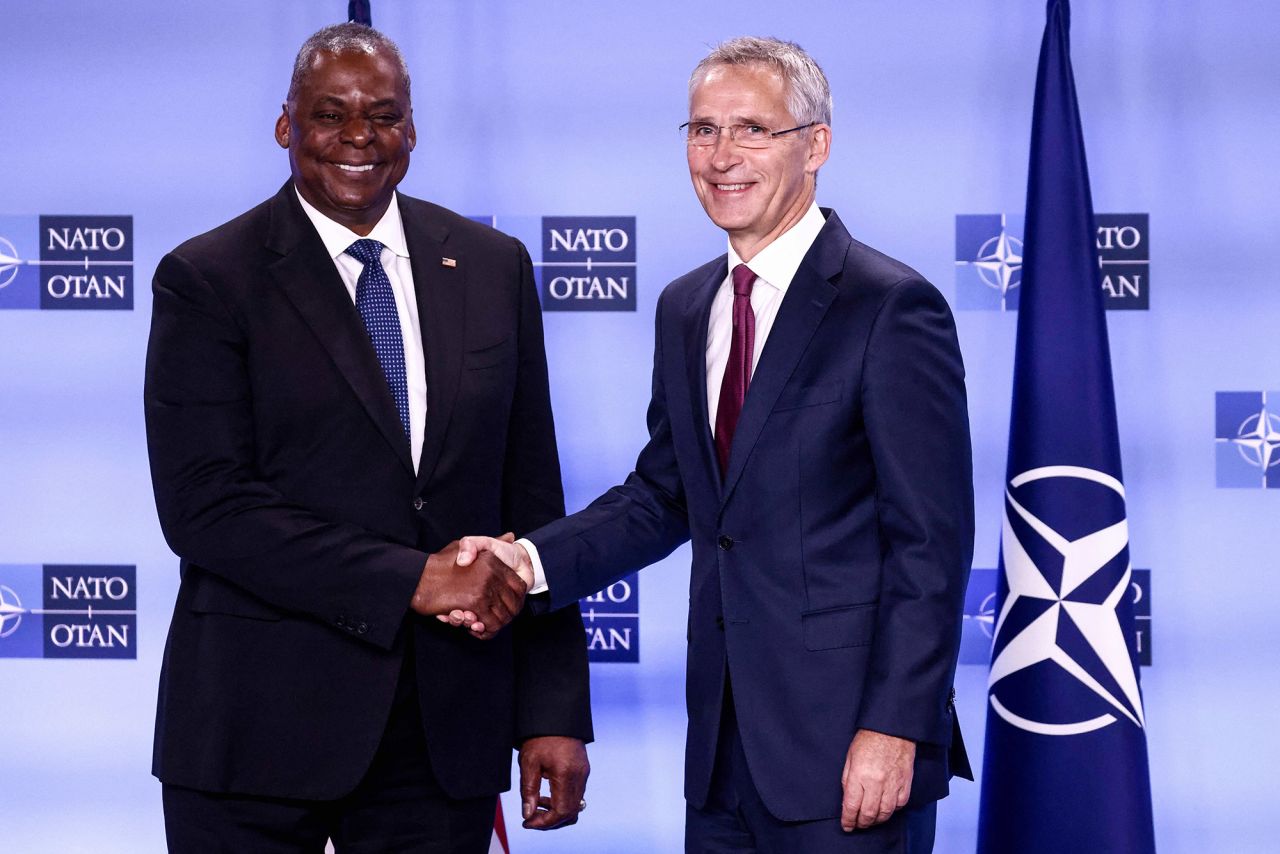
[{"x": 449, "y": 262}]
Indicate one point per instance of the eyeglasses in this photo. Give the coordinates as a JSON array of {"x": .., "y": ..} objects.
[{"x": 705, "y": 134}]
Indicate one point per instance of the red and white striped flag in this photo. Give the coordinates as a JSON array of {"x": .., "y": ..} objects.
[{"x": 498, "y": 845}]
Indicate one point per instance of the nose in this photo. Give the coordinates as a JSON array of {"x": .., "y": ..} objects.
[
  {"x": 725, "y": 153},
  {"x": 358, "y": 131}
]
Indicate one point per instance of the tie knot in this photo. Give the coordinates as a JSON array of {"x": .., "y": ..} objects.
[
  {"x": 743, "y": 279},
  {"x": 365, "y": 251}
]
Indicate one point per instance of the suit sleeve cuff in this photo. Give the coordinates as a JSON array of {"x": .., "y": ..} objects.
[{"x": 539, "y": 577}]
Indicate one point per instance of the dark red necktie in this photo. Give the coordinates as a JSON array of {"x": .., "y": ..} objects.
[{"x": 737, "y": 372}]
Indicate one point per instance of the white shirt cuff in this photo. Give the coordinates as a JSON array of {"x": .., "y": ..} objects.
[{"x": 539, "y": 577}]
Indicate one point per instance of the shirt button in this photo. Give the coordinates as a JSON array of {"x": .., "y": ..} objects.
[
  {"x": 725, "y": 543},
  {"x": 418, "y": 503}
]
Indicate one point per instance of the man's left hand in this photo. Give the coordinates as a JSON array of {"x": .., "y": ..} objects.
[
  {"x": 563, "y": 762},
  {"x": 877, "y": 778}
]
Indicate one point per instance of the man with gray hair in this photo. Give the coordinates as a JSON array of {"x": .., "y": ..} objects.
[
  {"x": 339, "y": 383},
  {"x": 809, "y": 432}
]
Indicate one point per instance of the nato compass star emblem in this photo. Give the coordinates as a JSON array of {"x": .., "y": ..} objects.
[
  {"x": 988, "y": 261},
  {"x": 1258, "y": 439},
  {"x": 9, "y": 263},
  {"x": 986, "y": 616},
  {"x": 1062, "y": 664},
  {"x": 11, "y": 611},
  {"x": 1247, "y": 437},
  {"x": 999, "y": 264}
]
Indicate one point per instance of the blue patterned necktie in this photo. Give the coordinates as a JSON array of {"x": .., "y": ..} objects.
[{"x": 377, "y": 306}]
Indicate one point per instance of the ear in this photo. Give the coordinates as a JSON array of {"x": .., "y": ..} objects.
[
  {"x": 819, "y": 148},
  {"x": 411, "y": 132},
  {"x": 282, "y": 127}
]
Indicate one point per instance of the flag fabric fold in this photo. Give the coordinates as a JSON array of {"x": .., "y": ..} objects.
[
  {"x": 1065, "y": 765},
  {"x": 498, "y": 844},
  {"x": 358, "y": 12}
]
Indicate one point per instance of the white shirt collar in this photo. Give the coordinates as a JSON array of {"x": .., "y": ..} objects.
[
  {"x": 389, "y": 231},
  {"x": 777, "y": 263}
]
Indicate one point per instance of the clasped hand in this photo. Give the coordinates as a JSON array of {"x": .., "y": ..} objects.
[
  {"x": 488, "y": 550},
  {"x": 480, "y": 588}
]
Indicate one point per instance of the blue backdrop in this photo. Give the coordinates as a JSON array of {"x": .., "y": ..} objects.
[{"x": 163, "y": 112}]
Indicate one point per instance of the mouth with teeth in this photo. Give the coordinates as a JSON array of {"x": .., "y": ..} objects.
[
  {"x": 731, "y": 188},
  {"x": 346, "y": 167}
]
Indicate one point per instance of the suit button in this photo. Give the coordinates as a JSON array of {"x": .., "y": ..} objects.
[
  {"x": 341, "y": 622},
  {"x": 363, "y": 628},
  {"x": 725, "y": 543},
  {"x": 418, "y": 504}
]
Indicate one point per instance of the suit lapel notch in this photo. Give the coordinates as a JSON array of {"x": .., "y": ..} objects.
[{"x": 440, "y": 290}]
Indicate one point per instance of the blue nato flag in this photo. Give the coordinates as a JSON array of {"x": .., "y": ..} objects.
[{"x": 1065, "y": 768}]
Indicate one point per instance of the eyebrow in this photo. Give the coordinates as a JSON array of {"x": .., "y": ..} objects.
[
  {"x": 733, "y": 120},
  {"x": 334, "y": 100}
]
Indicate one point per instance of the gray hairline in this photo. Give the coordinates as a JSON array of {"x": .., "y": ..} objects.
[
  {"x": 808, "y": 93},
  {"x": 344, "y": 38}
]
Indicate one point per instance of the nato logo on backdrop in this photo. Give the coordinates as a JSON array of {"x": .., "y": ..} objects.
[
  {"x": 989, "y": 253},
  {"x": 1247, "y": 434},
  {"x": 66, "y": 262},
  {"x": 588, "y": 263},
  {"x": 988, "y": 261},
  {"x": 980, "y": 616},
  {"x": 68, "y": 611},
  {"x": 612, "y": 621},
  {"x": 582, "y": 263}
]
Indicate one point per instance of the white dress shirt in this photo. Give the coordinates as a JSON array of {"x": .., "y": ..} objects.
[
  {"x": 389, "y": 231},
  {"x": 775, "y": 266}
]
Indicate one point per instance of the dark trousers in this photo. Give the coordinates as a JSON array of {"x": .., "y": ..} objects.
[
  {"x": 398, "y": 807},
  {"x": 735, "y": 819}
]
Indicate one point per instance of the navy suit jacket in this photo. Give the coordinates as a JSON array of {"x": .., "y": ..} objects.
[
  {"x": 830, "y": 562},
  {"x": 284, "y": 481}
]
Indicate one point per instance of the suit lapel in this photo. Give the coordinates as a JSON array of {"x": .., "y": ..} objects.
[
  {"x": 698, "y": 315},
  {"x": 307, "y": 276},
  {"x": 441, "y": 295},
  {"x": 803, "y": 307}
]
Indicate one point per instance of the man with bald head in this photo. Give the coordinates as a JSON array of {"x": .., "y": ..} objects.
[
  {"x": 339, "y": 383},
  {"x": 809, "y": 435}
]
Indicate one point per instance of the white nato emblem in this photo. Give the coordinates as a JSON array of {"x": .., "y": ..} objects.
[
  {"x": 9, "y": 263},
  {"x": 11, "y": 611},
  {"x": 998, "y": 262},
  {"x": 1258, "y": 439},
  {"x": 986, "y": 616},
  {"x": 1097, "y": 622}
]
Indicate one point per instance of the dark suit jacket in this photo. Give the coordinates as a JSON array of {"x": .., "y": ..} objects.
[
  {"x": 283, "y": 480},
  {"x": 829, "y": 566}
]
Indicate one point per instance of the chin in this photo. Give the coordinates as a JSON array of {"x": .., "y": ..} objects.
[
  {"x": 727, "y": 221},
  {"x": 352, "y": 203}
]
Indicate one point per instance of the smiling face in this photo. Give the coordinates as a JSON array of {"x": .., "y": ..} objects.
[
  {"x": 753, "y": 194},
  {"x": 349, "y": 131}
]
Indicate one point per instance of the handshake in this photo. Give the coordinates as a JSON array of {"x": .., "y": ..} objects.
[{"x": 476, "y": 582}]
